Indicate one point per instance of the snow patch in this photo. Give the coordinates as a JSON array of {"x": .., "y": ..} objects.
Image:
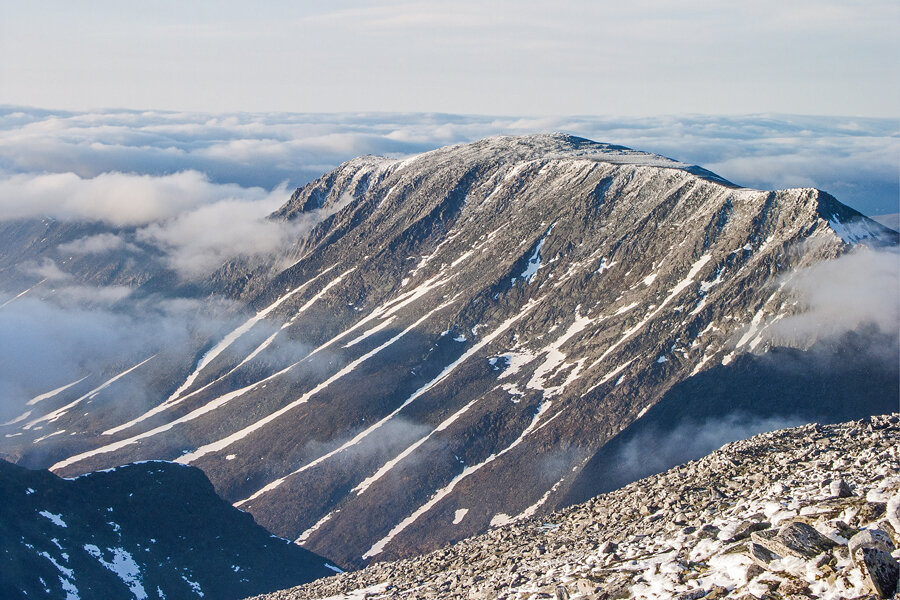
[
  {"x": 53, "y": 518},
  {"x": 123, "y": 565}
]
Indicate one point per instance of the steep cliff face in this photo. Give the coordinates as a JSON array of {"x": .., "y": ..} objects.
[{"x": 449, "y": 348}]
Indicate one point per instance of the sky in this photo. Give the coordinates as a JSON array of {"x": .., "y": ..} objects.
[{"x": 507, "y": 57}]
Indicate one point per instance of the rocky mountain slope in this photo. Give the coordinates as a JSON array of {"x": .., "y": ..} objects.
[
  {"x": 808, "y": 512},
  {"x": 454, "y": 346},
  {"x": 149, "y": 530}
]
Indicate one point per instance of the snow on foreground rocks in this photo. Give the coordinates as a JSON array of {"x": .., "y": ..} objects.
[{"x": 807, "y": 512}]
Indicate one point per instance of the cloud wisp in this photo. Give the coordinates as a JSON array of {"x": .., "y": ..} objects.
[{"x": 860, "y": 289}]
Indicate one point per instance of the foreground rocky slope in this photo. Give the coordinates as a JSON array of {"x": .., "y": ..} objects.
[
  {"x": 809, "y": 512},
  {"x": 454, "y": 345},
  {"x": 151, "y": 530}
]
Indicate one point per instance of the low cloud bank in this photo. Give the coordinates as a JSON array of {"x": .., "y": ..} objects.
[
  {"x": 854, "y": 159},
  {"x": 57, "y": 334},
  {"x": 199, "y": 187},
  {"x": 858, "y": 290}
]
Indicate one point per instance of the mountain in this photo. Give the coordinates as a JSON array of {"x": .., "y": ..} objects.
[
  {"x": 457, "y": 342},
  {"x": 812, "y": 511},
  {"x": 149, "y": 530}
]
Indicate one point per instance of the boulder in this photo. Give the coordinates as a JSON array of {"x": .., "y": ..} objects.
[
  {"x": 795, "y": 539},
  {"x": 871, "y": 538},
  {"x": 880, "y": 570}
]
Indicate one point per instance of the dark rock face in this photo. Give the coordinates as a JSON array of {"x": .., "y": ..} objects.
[
  {"x": 149, "y": 530},
  {"x": 451, "y": 348}
]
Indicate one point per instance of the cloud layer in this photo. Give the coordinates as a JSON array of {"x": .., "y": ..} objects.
[{"x": 193, "y": 153}]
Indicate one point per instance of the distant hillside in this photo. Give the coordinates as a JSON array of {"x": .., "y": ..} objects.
[{"x": 151, "y": 530}]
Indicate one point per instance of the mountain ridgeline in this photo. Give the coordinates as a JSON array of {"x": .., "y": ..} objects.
[{"x": 469, "y": 332}]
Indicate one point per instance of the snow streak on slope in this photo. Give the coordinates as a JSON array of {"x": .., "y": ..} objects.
[
  {"x": 239, "y": 435},
  {"x": 440, "y": 377},
  {"x": 679, "y": 287},
  {"x": 379, "y": 546},
  {"x": 56, "y": 414},
  {"x": 234, "y": 335},
  {"x": 20, "y": 294},
  {"x": 218, "y": 349},
  {"x": 194, "y": 414},
  {"x": 43, "y": 396}
]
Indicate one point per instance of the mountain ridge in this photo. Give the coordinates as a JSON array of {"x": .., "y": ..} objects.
[
  {"x": 148, "y": 530},
  {"x": 464, "y": 330}
]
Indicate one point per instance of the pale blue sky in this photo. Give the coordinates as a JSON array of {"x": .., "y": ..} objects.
[{"x": 500, "y": 57}]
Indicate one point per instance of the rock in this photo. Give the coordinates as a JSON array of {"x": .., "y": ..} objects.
[
  {"x": 761, "y": 555},
  {"x": 892, "y": 511},
  {"x": 872, "y": 511},
  {"x": 793, "y": 587},
  {"x": 871, "y": 538},
  {"x": 880, "y": 569},
  {"x": 586, "y": 586},
  {"x": 708, "y": 531},
  {"x": 840, "y": 489},
  {"x": 607, "y": 547},
  {"x": 742, "y": 531},
  {"x": 754, "y": 571},
  {"x": 692, "y": 594},
  {"x": 797, "y": 539},
  {"x": 562, "y": 593}
]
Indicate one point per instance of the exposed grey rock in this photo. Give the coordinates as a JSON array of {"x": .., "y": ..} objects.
[
  {"x": 880, "y": 569},
  {"x": 708, "y": 531},
  {"x": 607, "y": 547},
  {"x": 761, "y": 555},
  {"x": 840, "y": 489},
  {"x": 692, "y": 594},
  {"x": 892, "y": 511},
  {"x": 744, "y": 529},
  {"x": 871, "y": 538},
  {"x": 797, "y": 539}
]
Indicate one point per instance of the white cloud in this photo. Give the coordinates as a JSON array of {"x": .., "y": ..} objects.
[
  {"x": 120, "y": 199},
  {"x": 198, "y": 241},
  {"x": 855, "y": 159},
  {"x": 96, "y": 244},
  {"x": 856, "y": 290}
]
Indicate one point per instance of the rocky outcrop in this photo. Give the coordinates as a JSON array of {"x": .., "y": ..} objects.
[{"x": 755, "y": 519}]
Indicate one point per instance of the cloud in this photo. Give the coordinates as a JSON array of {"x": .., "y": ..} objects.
[
  {"x": 853, "y": 158},
  {"x": 199, "y": 241},
  {"x": 858, "y": 290},
  {"x": 96, "y": 244},
  {"x": 121, "y": 199},
  {"x": 46, "y": 270},
  {"x": 655, "y": 450},
  {"x": 54, "y": 336}
]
